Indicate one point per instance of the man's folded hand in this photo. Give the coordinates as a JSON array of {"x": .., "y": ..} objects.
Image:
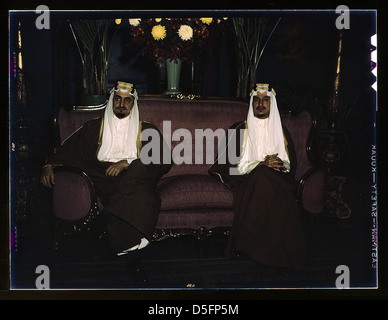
[{"x": 115, "y": 169}]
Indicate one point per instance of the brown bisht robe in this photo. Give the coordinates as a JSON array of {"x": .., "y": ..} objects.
[
  {"x": 131, "y": 197},
  {"x": 266, "y": 225}
]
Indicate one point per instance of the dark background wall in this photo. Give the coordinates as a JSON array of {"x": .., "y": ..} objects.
[{"x": 301, "y": 53}]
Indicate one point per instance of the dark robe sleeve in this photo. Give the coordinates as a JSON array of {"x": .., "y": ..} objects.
[
  {"x": 157, "y": 170},
  {"x": 219, "y": 170},
  {"x": 79, "y": 148}
]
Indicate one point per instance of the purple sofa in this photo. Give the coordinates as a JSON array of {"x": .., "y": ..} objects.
[{"x": 192, "y": 202}]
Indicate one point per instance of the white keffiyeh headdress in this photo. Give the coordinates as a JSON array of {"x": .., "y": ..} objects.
[{"x": 112, "y": 148}]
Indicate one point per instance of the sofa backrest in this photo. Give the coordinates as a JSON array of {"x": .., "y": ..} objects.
[
  {"x": 192, "y": 115},
  {"x": 300, "y": 127},
  {"x": 175, "y": 118}
]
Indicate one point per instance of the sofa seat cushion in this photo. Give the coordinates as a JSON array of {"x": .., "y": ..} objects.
[
  {"x": 193, "y": 191},
  {"x": 195, "y": 219}
]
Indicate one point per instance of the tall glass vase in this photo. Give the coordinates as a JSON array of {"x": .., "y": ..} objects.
[{"x": 173, "y": 76}]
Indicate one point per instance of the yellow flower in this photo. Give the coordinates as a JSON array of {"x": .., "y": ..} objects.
[
  {"x": 207, "y": 20},
  {"x": 158, "y": 32},
  {"x": 134, "y": 22},
  {"x": 158, "y": 19},
  {"x": 117, "y": 21},
  {"x": 185, "y": 32}
]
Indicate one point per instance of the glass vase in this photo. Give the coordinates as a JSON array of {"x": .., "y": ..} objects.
[{"x": 173, "y": 76}]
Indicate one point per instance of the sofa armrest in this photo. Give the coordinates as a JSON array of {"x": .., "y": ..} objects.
[
  {"x": 310, "y": 191},
  {"x": 74, "y": 197}
]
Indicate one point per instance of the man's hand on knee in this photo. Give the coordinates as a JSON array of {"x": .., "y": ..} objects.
[
  {"x": 47, "y": 177},
  {"x": 115, "y": 169}
]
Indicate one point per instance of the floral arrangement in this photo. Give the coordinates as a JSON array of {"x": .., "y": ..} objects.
[{"x": 173, "y": 38}]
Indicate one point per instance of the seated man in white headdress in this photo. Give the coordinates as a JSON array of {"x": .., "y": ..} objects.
[
  {"x": 108, "y": 150},
  {"x": 266, "y": 225}
]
